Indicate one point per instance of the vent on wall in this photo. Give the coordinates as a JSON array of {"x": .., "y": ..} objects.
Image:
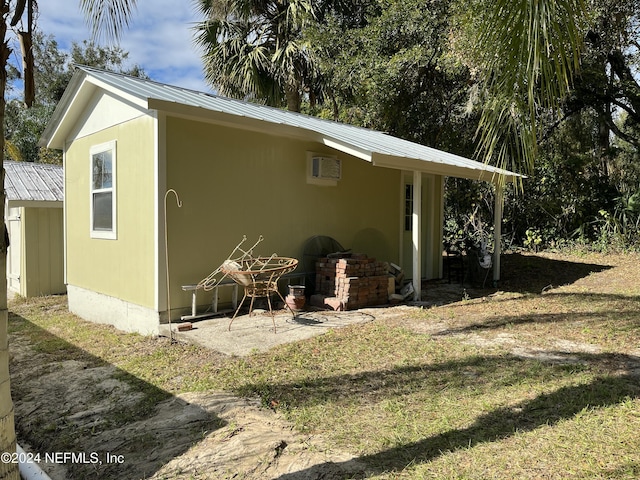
[{"x": 323, "y": 169}]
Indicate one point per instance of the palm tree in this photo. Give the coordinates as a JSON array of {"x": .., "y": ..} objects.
[
  {"x": 109, "y": 16},
  {"x": 528, "y": 53},
  {"x": 253, "y": 49}
]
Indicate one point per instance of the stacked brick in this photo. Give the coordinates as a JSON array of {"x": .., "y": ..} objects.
[{"x": 352, "y": 282}]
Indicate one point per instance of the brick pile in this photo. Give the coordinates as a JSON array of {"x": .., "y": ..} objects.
[{"x": 352, "y": 282}]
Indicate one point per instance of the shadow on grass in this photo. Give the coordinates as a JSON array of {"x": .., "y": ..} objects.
[
  {"x": 478, "y": 374},
  {"x": 626, "y": 310},
  {"x": 68, "y": 400},
  {"x": 502, "y": 423},
  {"x": 532, "y": 273},
  {"x": 520, "y": 273}
]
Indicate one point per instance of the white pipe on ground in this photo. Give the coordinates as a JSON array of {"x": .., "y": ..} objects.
[{"x": 29, "y": 470}]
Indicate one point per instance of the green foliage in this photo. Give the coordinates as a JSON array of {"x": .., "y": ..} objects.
[
  {"x": 468, "y": 214},
  {"x": 23, "y": 127},
  {"x": 387, "y": 67},
  {"x": 108, "y": 18},
  {"x": 606, "y": 83},
  {"x": 533, "y": 239},
  {"x": 567, "y": 186},
  {"x": 633, "y": 204},
  {"x": 620, "y": 229},
  {"x": 526, "y": 54},
  {"x": 53, "y": 70},
  {"x": 255, "y": 50},
  {"x": 591, "y": 153}
]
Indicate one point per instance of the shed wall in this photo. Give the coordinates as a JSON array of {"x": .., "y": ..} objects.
[
  {"x": 35, "y": 260},
  {"x": 42, "y": 270},
  {"x": 234, "y": 183},
  {"x": 123, "y": 268}
]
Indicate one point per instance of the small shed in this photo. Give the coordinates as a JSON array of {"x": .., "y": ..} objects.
[{"x": 34, "y": 216}]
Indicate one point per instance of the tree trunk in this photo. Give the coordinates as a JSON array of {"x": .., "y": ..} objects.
[
  {"x": 294, "y": 101},
  {"x": 8, "y": 470},
  {"x": 26, "y": 47}
]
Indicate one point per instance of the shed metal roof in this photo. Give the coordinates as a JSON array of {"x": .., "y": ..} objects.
[
  {"x": 376, "y": 147},
  {"x": 33, "y": 182}
]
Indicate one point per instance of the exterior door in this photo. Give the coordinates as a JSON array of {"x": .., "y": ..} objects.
[
  {"x": 407, "y": 225},
  {"x": 432, "y": 221}
]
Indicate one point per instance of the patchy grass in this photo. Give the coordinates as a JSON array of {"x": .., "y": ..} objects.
[{"x": 537, "y": 380}]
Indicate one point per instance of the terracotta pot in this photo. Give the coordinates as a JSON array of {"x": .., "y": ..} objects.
[{"x": 296, "y": 299}]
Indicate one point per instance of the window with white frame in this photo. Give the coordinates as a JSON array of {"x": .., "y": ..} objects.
[
  {"x": 408, "y": 207},
  {"x": 103, "y": 190}
]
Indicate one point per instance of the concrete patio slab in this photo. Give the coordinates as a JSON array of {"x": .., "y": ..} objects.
[{"x": 255, "y": 333}]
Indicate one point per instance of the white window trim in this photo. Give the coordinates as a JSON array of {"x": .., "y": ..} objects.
[{"x": 103, "y": 147}]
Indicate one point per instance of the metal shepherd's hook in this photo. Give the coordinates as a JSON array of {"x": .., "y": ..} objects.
[{"x": 166, "y": 256}]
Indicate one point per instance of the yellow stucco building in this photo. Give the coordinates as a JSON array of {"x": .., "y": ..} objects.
[{"x": 239, "y": 169}]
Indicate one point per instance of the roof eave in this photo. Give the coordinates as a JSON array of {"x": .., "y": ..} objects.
[
  {"x": 347, "y": 148},
  {"x": 51, "y": 137},
  {"x": 78, "y": 93},
  {"x": 481, "y": 172},
  {"x": 30, "y": 203}
]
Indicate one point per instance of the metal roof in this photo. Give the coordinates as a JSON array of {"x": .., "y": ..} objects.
[
  {"x": 33, "y": 182},
  {"x": 371, "y": 145}
]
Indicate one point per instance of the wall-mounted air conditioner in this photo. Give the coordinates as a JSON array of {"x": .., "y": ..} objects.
[{"x": 323, "y": 169}]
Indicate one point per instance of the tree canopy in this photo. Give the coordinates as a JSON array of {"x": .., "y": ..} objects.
[
  {"x": 388, "y": 67},
  {"x": 508, "y": 81},
  {"x": 255, "y": 49},
  {"x": 53, "y": 69}
]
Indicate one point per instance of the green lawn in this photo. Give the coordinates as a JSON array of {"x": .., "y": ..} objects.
[{"x": 513, "y": 385}]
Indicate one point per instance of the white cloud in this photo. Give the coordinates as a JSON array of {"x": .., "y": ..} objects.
[{"x": 159, "y": 39}]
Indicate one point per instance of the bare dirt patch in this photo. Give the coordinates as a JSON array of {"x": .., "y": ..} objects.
[{"x": 116, "y": 428}]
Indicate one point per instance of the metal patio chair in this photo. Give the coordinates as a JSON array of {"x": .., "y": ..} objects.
[{"x": 259, "y": 277}]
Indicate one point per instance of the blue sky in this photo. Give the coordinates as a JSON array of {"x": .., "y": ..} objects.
[{"x": 159, "y": 39}]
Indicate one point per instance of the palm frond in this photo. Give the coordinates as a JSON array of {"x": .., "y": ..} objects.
[
  {"x": 12, "y": 150},
  {"x": 252, "y": 48},
  {"x": 529, "y": 51},
  {"x": 107, "y": 17}
]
